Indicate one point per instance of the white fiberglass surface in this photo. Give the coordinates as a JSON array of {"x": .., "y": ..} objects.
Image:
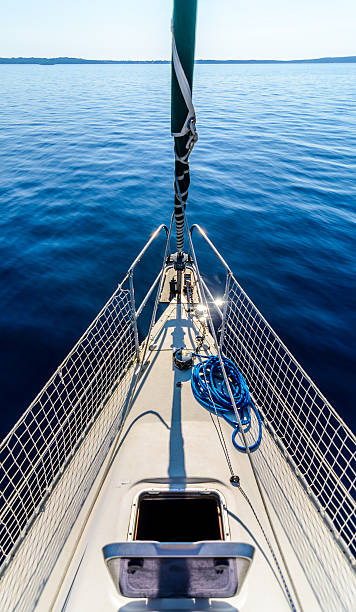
[{"x": 170, "y": 442}]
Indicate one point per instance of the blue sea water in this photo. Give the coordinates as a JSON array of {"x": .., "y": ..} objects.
[{"x": 86, "y": 173}]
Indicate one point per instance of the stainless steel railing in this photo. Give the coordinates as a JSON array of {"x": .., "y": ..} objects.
[
  {"x": 307, "y": 461},
  {"x": 52, "y": 455}
]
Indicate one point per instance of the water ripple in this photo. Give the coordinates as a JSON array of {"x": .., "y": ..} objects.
[{"x": 87, "y": 172}]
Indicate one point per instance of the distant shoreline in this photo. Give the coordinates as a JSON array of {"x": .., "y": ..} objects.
[{"x": 51, "y": 61}]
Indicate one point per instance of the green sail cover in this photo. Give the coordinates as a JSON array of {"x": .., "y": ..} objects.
[{"x": 182, "y": 110}]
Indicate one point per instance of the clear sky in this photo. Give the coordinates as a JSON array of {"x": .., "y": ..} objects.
[{"x": 140, "y": 29}]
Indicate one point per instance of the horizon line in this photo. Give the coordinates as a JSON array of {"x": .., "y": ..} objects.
[{"x": 67, "y": 59}]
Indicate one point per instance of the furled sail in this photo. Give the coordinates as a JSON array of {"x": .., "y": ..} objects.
[{"x": 183, "y": 118}]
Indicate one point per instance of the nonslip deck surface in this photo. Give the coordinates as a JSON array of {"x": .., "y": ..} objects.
[{"x": 170, "y": 442}]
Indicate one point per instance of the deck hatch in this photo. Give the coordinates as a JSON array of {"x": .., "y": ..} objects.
[
  {"x": 183, "y": 570},
  {"x": 184, "y": 516}
]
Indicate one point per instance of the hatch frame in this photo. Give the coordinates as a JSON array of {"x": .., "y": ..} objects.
[{"x": 176, "y": 490}]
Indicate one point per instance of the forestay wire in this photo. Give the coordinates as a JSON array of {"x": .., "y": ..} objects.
[{"x": 183, "y": 122}]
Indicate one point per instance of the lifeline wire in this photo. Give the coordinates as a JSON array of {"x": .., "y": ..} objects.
[
  {"x": 217, "y": 425},
  {"x": 289, "y": 597},
  {"x": 220, "y": 431},
  {"x": 228, "y": 386},
  {"x": 246, "y": 398},
  {"x": 201, "y": 369}
]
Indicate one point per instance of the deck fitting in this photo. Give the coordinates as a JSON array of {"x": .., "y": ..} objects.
[{"x": 235, "y": 480}]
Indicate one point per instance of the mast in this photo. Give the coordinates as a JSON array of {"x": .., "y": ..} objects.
[{"x": 182, "y": 110}]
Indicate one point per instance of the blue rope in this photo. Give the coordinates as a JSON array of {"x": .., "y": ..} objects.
[{"x": 209, "y": 389}]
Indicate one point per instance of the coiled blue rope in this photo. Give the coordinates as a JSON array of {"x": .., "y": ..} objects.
[{"x": 209, "y": 389}]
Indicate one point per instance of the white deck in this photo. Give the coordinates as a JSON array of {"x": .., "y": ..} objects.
[{"x": 169, "y": 441}]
